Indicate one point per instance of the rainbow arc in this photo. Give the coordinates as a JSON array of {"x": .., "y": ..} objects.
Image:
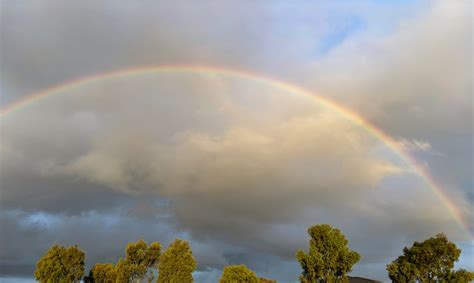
[{"x": 200, "y": 69}]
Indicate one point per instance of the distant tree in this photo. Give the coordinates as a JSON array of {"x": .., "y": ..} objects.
[
  {"x": 329, "y": 258},
  {"x": 61, "y": 264},
  {"x": 102, "y": 273},
  {"x": 139, "y": 262},
  {"x": 176, "y": 263},
  {"x": 238, "y": 273},
  {"x": 429, "y": 261}
]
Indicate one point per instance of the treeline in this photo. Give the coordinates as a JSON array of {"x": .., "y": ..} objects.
[{"x": 328, "y": 259}]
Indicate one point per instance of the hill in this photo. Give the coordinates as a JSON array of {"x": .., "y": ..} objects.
[{"x": 361, "y": 280}]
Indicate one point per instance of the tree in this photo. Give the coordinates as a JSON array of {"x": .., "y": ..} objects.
[
  {"x": 60, "y": 264},
  {"x": 102, "y": 273},
  {"x": 429, "y": 261},
  {"x": 238, "y": 273},
  {"x": 124, "y": 271},
  {"x": 461, "y": 276},
  {"x": 139, "y": 262},
  {"x": 176, "y": 263},
  {"x": 329, "y": 258}
]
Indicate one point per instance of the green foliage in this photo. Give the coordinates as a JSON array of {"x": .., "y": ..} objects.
[
  {"x": 329, "y": 258},
  {"x": 461, "y": 276},
  {"x": 176, "y": 263},
  {"x": 238, "y": 273},
  {"x": 60, "y": 264},
  {"x": 139, "y": 262},
  {"x": 429, "y": 261},
  {"x": 102, "y": 273},
  {"x": 124, "y": 271}
]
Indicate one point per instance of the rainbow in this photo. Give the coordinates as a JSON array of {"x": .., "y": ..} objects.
[{"x": 391, "y": 143}]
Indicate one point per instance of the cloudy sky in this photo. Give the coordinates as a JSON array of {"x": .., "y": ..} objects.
[{"x": 237, "y": 165}]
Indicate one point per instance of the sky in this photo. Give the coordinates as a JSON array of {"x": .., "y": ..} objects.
[{"x": 236, "y": 164}]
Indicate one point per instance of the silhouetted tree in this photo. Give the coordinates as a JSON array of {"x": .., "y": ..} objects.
[
  {"x": 329, "y": 258},
  {"x": 429, "y": 261}
]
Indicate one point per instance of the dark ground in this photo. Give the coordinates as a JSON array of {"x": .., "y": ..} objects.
[{"x": 362, "y": 280}]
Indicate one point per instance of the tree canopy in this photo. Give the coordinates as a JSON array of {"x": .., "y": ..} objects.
[
  {"x": 329, "y": 258},
  {"x": 102, "y": 273},
  {"x": 60, "y": 264},
  {"x": 238, "y": 273},
  {"x": 139, "y": 262},
  {"x": 176, "y": 263},
  {"x": 429, "y": 261}
]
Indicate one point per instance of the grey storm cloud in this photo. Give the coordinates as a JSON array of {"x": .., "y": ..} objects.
[
  {"x": 239, "y": 168},
  {"x": 414, "y": 84},
  {"x": 67, "y": 41}
]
